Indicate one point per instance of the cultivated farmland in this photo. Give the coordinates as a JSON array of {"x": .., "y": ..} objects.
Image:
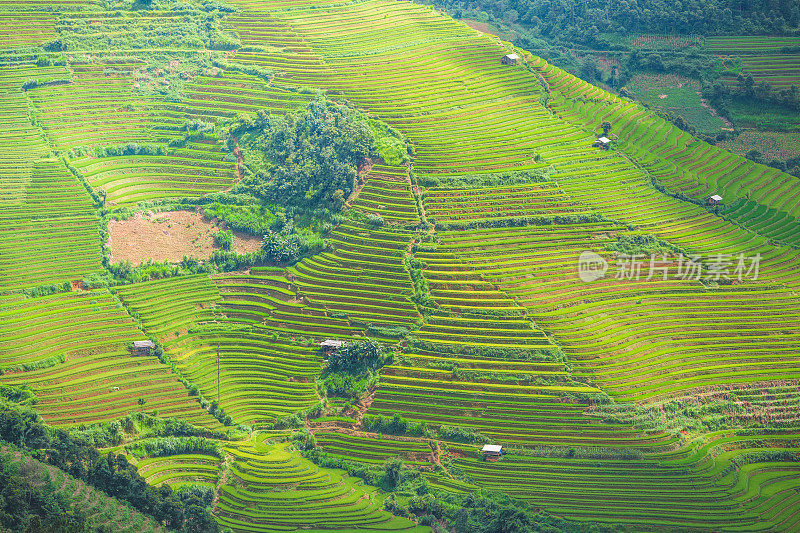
[{"x": 447, "y": 285}]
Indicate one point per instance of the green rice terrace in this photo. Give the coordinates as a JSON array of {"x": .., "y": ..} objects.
[{"x": 417, "y": 280}]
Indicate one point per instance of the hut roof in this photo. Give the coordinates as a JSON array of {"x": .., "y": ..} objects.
[
  {"x": 331, "y": 343},
  {"x": 144, "y": 344}
]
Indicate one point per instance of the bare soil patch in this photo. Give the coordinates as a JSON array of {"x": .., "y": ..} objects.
[
  {"x": 168, "y": 236},
  {"x": 489, "y": 29}
]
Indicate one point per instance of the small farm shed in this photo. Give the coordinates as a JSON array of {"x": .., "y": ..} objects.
[
  {"x": 492, "y": 451},
  {"x": 714, "y": 200},
  {"x": 330, "y": 345},
  {"x": 603, "y": 142},
  {"x": 143, "y": 347},
  {"x": 510, "y": 59}
]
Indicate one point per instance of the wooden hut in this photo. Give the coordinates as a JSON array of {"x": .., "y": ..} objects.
[
  {"x": 603, "y": 143},
  {"x": 143, "y": 347},
  {"x": 492, "y": 452},
  {"x": 510, "y": 59},
  {"x": 329, "y": 345}
]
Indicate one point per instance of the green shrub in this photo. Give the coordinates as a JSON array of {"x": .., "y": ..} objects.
[
  {"x": 132, "y": 149},
  {"x": 461, "y": 434},
  {"x": 172, "y": 445},
  {"x": 224, "y": 239}
]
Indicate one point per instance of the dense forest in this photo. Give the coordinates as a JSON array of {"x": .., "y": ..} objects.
[{"x": 584, "y": 21}]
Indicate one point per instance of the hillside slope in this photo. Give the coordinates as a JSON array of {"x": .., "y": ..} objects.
[{"x": 647, "y": 399}]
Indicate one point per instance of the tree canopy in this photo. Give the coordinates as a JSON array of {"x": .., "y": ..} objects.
[{"x": 307, "y": 159}]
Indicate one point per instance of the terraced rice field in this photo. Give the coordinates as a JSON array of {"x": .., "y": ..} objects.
[
  {"x": 263, "y": 372},
  {"x": 181, "y": 469},
  {"x": 774, "y": 60},
  {"x": 465, "y": 260},
  {"x": 81, "y": 370},
  {"x": 276, "y": 490}
]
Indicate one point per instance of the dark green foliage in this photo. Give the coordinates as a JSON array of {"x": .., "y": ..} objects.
[
  {"x": 140, "y": 424},
  {"x": 374, "y": 220},
  {"x": 111, "y": 474},
  {"x": 461, "y": 434},
  {"x": 487, "y": 352},
  {"x": 396, "y": 425},
  {"x": 356, "y": 356},
  {"x": 21, "y": 395},
  {"x": 46, "y": 290},
  {"x": 585, "y": 21},
  {"x": 33, "y": 83},
  {"x": 165, "y": 446},
  {"x": 499, "y": 179},
  {"x": 132, "y": 149},
  {"x": 422, "y": 292},
  {"x": 580, "y": 452},
  {"x": 391, "y": 476},
  {"x": 642, "y": 245},
  {"x": 393, "y": 472},
  {"x": 496, "y": 512},
  {"x": 47, "y": 362},
  {"x": 487, "y": 512},
  {"x": 747, "y": 90},
  {"x": 352, "y": 369},
  {"x": 394, "y": 332},
  {"x": 513, "y": 222},
  {"x": 307, "y": 159},
  {"x": 304, "y": 440},
  {"x": 347, "y": 385},
  {"x": 27, "y": 504},
  {"x": 288, "y": 245}
]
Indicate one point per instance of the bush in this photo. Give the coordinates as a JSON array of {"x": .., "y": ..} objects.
[
  {"x": 250, "y": 219},
  {"x": 347, "y": 385},
  {"x": 356, "y": 356},
  {"x": 224, "y": 239},
  {"x": 374, "y": 220},
  {"x": 396, "y": 425},
  {"x": 165, "y": 446},
  {"x": 132, "y": 149},
  {"x": 289, "y": 245},
  {"x": 461, "y": 434}
]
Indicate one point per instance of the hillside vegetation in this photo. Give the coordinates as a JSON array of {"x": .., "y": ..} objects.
[{"x": 433, "y": 210}]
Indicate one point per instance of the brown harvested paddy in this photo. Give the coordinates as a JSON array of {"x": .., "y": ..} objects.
[{"x": 168, "y": 236}]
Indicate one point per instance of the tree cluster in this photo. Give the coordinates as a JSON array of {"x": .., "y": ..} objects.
[
  {"x": 284, "y": 243},
  {"x": 185, "y": 512},
  {"x": 587, "y": 20},
  {"x": 747, "y": 88},
  {"x": 306, "y": 159},
  {"x": 352, "y": 368},
  {"x": 27, "y": 504},
  {"x": 356, "y": 356}
]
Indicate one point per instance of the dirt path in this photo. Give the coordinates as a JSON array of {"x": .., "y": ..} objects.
[
  {"x": 360, "y": 182},
  {"x": 437, "y": 460},
  {"x": 225, "y": 467}
]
